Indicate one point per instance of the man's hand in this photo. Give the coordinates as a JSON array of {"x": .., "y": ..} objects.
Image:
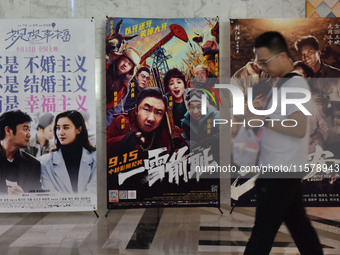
[
  {"x": 259, "y": 101},
  {"x": 15, "y": 190},
  {"x": 131, "y": 140},
  {"x": 248, "y": 116}
]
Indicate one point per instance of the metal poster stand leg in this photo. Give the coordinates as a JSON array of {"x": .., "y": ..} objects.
[
  {"x": 96, "y": 213},
  {"x": 232, "y": 209}
]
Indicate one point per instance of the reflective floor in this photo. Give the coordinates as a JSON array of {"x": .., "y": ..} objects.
[{"x": 151, "y": 231}]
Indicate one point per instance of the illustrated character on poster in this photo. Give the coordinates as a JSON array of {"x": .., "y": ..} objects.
[
  {"x": 71, "y": 167},
  {"x": 139, "y": 82},
  {"x": 122, "y": 69},
  {"x": 116, "y": 42},
  {"x": 209, "y": 41},
  {"x": 19, "y": 171},
  {"x": 39, "y": 144},
  {"x": 144, "y": 128}
]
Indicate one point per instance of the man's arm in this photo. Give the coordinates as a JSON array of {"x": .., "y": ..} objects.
[{"x": 298, "y": 131}]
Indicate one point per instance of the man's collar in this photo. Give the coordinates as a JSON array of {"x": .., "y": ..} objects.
[{"x": 3, "y": 153}]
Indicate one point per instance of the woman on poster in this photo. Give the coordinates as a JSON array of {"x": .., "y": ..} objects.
[
  {"x": 71, "y": 167},
  {"x": 176, "y": 85}
]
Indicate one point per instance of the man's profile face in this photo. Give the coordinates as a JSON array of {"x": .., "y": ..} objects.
[
  {"x": 309, "y": 56},
  {"x": 268, "y": 61},
  {"x": 150, "y": 113},
  {"x": 22, "y": 135},
  {"x": 195, "y": 110},
  {"x": 143, "y": 79}
]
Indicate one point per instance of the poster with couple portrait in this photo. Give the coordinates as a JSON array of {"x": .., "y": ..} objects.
[
  {"x": 47, "y": 116},
  {"x": 156, "y": 69},
  {"x": 314, "y": 46}
]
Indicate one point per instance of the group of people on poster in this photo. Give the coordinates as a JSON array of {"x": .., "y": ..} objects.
[
  {"x": 52, "y": 154},
  {"x": 136, "y": 110},
  {"x": 154, "y": 116}
]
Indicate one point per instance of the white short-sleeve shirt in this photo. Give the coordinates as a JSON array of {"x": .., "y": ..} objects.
[{"x": 277, "y": 148}]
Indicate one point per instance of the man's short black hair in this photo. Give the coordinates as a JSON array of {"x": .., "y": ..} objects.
[
  {"x": 12, "y": 119},
  {"x": 143, "y": 68},
  {"x": 152, "y": 92},
  {"x": 307, "y": 40},
  {"x": 272, "y": 40}
]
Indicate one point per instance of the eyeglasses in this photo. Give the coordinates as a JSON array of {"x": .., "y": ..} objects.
[{"x": 265, "y": 62}]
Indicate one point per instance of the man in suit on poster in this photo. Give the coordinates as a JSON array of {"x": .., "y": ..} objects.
[{"x": 19, "y": 171}]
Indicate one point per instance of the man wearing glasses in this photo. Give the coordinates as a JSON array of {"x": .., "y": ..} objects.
[
  {"x": 279, "y": 194},
  {"x": 139, "y": 82}
]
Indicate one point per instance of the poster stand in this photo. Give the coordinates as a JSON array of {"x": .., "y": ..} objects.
[
  {"x": 95, "y": 212},
  {"x": 135, "y": 171},
  {"x": 232, "y": 209}
]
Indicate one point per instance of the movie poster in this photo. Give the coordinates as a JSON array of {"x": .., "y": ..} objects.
[
  {"x": 47, "y": 116},
  {"x": 315, "y": 51},
  {"x": 160, "y": 106}
]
